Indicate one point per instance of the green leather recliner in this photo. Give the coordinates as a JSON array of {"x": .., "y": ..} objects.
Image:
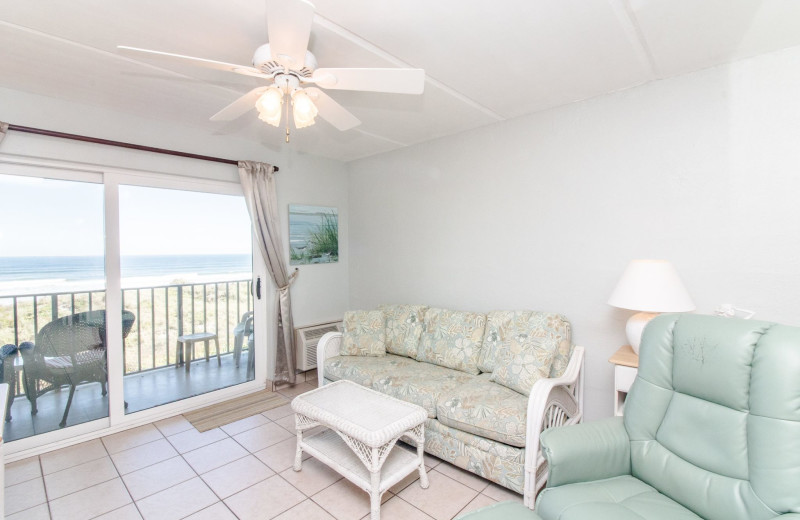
[{"x": 711, "y": 430}]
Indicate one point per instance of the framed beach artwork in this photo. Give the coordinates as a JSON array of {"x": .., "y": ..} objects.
[{"x": 313, "y": 234}]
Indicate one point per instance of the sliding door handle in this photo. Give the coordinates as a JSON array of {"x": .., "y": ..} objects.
[{"x": 258, "y": 287}]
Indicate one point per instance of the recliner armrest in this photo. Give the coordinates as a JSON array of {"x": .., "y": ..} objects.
[{"x": 585, "y": 452}]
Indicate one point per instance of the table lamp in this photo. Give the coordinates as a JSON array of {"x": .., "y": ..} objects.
[{"x": 650, "y": 287}]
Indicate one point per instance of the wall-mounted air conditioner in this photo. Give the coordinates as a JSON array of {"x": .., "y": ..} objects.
[{"x": 306, "y": 339}]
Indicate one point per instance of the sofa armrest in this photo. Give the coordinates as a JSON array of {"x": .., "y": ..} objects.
[
  {"x": 553, "y": 402},
  {"x": 327, "y": 347},
  {"x": 585, "y": 452},
  {"x": 788, "y": 516}
]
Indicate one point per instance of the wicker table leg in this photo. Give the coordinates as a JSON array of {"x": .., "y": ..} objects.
[{"x": 375, "y": 496}]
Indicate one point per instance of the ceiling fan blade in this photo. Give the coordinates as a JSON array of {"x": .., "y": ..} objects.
[
  {"x": 209, "y": 64},
  {"x": 240, "y": 106},
  {"x": 331, "y": 111},
  {"x": 397, "y": 81},
  {"x": 288, "y": 28}
]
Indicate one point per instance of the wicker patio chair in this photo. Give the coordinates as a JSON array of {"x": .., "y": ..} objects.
[
  {"x": 69, "y": 351},
  {"x": 239, "y": 336}
]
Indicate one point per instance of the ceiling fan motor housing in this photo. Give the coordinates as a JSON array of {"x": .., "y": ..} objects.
[{"x": 266, "y": 62}]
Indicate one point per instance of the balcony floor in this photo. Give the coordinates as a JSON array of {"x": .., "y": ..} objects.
[{"x": 142, "y": 390}]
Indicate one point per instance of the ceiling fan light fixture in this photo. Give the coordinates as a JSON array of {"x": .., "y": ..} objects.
[
  {"x": 269, "y": 106},
  {"x": 304, "y": 109}
]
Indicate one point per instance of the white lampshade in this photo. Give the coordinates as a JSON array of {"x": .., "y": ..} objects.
[{"x": 651, "y": 286}]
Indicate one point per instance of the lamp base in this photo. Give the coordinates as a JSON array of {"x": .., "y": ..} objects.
[{"x": 635, "y": 326}]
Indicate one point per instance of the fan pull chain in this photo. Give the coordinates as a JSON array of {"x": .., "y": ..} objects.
[{"x": 288, "y": 100}]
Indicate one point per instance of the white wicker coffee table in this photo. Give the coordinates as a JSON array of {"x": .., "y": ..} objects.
[{"x": 362, "y": 427}]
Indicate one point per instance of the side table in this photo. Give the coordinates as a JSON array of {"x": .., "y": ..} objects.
[{"x": 626, "y": 366}]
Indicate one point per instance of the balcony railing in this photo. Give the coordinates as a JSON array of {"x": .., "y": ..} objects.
[{"x": 162, "y": 314}]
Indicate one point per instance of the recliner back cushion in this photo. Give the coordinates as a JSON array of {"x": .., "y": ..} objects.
[
  {"x": 714, "y": 415},
  {"x": 502, "y": 326}
]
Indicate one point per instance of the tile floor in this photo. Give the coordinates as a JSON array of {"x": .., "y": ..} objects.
[{"x": 167, "y": 470}]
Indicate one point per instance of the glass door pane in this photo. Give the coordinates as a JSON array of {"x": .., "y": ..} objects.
[
  {"x": 52, "y": 304},
  {"x": 186, "y": 261}
]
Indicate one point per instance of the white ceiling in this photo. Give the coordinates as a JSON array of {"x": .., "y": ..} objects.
[{"x": 484, "y": 61}]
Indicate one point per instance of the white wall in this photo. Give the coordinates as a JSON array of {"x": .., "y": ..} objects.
[
  {"x": 320, "y": 292},
  {"x": 544, "y": 212}
]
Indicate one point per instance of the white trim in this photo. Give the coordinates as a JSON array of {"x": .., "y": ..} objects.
[
  {"x": 45, "y": 442},
  {"x": 113, "y": 272}
]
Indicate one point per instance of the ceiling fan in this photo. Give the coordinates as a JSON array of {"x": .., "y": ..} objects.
[{"x": 291, "y": 73}]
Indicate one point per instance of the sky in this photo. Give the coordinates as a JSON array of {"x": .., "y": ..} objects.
[{"x": 44, "y": 217}]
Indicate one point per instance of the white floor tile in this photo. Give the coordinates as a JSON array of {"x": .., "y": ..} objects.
[
  {"x": 236, "y": 476},
  {"x": 478, "y": 502},
  {"x": 90, "y": 502},
  {"x": 307, "y": 510},
  {"x": 277, "y": 413},
  {"x": 192, "y": 439},
  {"x": 128, "y": 512},
  {"x": 131, "y": 438},
  {"x": 280, "y": 456},
  {"x": 430, "y": 500},
  {"x": 178, "y": 501},
  {"x": 22, "y": 470},
  {"x": 158, "y": 477},
  {"x": 218, "y": 511},
  {"x": 79, "y": 477},
  {"x": 24, "y": 495},
  {"x": 142, "y": 456},
  {"x": 40, "y": 512},
  {"x": 500, "y": 493},
  {"x": 312, "y": 478},
  {"x": 215, "y": 455},
  {"x": 262, "y": 437},
  {"x": 465, "y": 477},
  {"x": 173, "y": 425},
  {"x": 345, "y": 501},
  {"x": 245, "y": 424},
  {"x": 287, "y": 423},
  {"x": 398, "y": 509},
  {"x": 72, "y": 456},
  {"x": 267, "y": 499}
]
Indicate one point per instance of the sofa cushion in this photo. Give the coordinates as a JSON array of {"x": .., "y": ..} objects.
[
  {"x": 452, "y": 339},
  {"x": 403, "y": 328},
  {"x": 618, "y": 498},
  {"x": 420, "y": 383},
  {"x": 363, "y": 369},
  {"x": 486, "y": 409},
  {"x": 364, "y": 334},
  {"x": 525, "y": 361},
  {"x": 503, "y": 325}
]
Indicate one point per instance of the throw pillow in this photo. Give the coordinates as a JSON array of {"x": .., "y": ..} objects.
[
  {"x": 403, "y": 328},
  {"x": 452, "y": 339},
  {"x": 364, "y": 334},
  {"x": 526, "y": 360}
]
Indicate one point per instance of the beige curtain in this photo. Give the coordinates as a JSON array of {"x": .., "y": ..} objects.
[
  {"x": 3, "y": 130},
  {"x": 258, "y": 184}
]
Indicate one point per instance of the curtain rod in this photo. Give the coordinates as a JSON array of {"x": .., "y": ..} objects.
[{"x": 96, "y": 140}]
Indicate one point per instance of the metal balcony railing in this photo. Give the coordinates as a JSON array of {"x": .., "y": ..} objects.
[{"x": 162, "y": 314}]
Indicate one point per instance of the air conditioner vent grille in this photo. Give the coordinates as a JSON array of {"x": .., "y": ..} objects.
[
  {"x": 306, "y": 339},
  {"x": 316, "y": 333}
]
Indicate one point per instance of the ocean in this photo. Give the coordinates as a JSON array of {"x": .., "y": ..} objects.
[{"x": 27, "y": 274}]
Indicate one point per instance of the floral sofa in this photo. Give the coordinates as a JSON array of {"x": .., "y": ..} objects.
[{"x": 491, "y": 383}]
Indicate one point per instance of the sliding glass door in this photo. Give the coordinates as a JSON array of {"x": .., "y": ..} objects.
[
  {"x": 52, "y": 303},
  {"x": 186, "y": 264},
  {"x": 120, "y": 292}
]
